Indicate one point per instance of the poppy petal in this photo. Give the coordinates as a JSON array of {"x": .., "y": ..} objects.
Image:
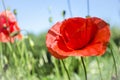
[
  {"x": 95, "y": 41},
  {"x": 9, "y": 15},
  {"x": 5, "y": 38},
  {"x": 83, "y": 30},
  {"x": 51, "y": 38},
  {"x": 8, "y": 25}
]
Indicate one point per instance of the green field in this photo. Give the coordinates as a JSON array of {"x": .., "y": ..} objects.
[{"x": 28, "y": 59}]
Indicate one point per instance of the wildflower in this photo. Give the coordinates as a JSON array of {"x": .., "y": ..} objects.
[
  {"x": 78, "y": 37},
  {"x": 9, "y": 29}
]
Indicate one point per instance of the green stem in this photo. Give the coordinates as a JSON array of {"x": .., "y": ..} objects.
[
  {"x": 83, "y": 63},
  {"x": 66, "y": 70},
  {"x": 114, "y": 61},
  {"x": 88, "y": 8},
  {"x": 57, "y": 68},
  {"x": 69, "y": 7},
  {"x": 99, "y": 68},
  {"x": 3, "y": 5}
]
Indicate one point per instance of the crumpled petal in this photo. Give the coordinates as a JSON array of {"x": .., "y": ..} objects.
[
  {"x": 51, "y": 38},
  {"x": 78, "y": 32},
  {"x": 96, "y": 46}
]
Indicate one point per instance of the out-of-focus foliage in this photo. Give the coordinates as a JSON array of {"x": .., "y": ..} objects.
[
  {"x": 116, "y": 35},
  {"x": 29, "y": 59}
]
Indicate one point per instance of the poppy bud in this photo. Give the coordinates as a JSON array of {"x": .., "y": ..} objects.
[{"x": 63, "y": 13}]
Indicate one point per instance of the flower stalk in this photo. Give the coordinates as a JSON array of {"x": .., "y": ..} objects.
[
  {"x": 99, "y": 68},
  {"x": 114, "y": 61},
  {"x": 84, "y": 67},
  {"x": 3, "y": 5},
  {"x": 66, "y": 69},
  {"x": 69, "y": 7},
  {"x": 88, "y": 8}
]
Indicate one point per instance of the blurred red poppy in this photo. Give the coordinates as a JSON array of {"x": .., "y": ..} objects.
[
  {"x": 78, "y": 37},
  {"x": 9, "y": 29}
]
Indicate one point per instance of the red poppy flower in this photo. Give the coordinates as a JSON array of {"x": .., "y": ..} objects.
[
  {"x": 9, "y": 29},
  {"x": 78, "y": 37}
]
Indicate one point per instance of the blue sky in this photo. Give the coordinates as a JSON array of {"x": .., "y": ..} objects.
[{"x": 33, "y": 14}]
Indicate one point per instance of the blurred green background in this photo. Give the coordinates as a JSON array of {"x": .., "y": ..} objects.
[{"x": 29, "y": 59}]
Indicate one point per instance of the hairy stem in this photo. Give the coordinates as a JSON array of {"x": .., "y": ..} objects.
[
  {"x": 99, "y": 68},
  {"x": 88, "y": 8},
  {"x": 83, "y": 63},
  {"x": 69, "y": 7},
  {"x": 66, "y": 70},
  {"x": 114, "y": 61}
]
